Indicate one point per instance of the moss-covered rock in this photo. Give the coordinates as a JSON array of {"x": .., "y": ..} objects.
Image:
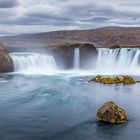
[
  {"x": 109, "y": 112},
  {"x": 128, "y": 80},
  {"x": 114, "y": 80}
]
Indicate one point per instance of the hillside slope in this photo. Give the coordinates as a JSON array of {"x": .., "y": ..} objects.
[{"x": 100, "y": 37}]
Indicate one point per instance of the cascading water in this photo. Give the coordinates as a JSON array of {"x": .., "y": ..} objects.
[
  {"x": 33, "y": 63},
  {"x": 109, "y": 61},
  {"x": 124, "y": 60},
  {"x": 76, "y": 58}
]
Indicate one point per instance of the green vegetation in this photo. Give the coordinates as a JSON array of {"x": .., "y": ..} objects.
[{"x": 127, "y": 80}]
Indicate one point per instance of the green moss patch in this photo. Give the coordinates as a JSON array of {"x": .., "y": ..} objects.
[{"x": 126, "y": 80}]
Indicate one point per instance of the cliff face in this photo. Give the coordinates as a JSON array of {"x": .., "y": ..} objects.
[
  {"x": 6, "y": 63},
  {"x": 100, "y": 37},
  {"x": 64, "y": 54}
]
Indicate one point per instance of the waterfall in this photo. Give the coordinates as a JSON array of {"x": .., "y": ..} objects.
[
  {"x": 76, "y": 58},
  {"x": 109, "y": 61},
  {"x": 33, "y": 63},
  {"x": 124, "y": 60}
]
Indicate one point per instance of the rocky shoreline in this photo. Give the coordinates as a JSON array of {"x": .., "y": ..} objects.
[{"x": 6, "y": 62}]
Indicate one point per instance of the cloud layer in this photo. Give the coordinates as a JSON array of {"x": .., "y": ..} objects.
[
  {"x": 28, "y": 16},
  {"x": 8, "y": 3}
]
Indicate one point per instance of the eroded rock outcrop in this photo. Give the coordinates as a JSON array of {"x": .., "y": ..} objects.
[
  {"x": 6, "y": 63},
  {"x": 65, "y": 53},
  {"x": 109, "y": 112}
]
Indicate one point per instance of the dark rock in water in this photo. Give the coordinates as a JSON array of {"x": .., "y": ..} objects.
[
  {"x": 126, "y": 80},
  {"x": 6, "y": 62},
  {"x": 111, "y": 113},
  {"x": 64, "y": 53}
]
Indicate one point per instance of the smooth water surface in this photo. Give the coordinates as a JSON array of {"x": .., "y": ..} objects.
[{"x": 63, "y": 107}]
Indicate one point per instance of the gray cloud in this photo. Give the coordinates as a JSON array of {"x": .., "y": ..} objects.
[
  {"x": 67, "y": 14},
  {"x": 8, "y": 3}
]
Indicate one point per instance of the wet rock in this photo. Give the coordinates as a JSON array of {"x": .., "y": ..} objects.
[
  {"x": 6, "y": 62},
  {"x": 115, "y": 47},
  {"x": 64, "y": 54},
  {"x": 109, "y": 112},
  {"x": 126, "y": 80}
]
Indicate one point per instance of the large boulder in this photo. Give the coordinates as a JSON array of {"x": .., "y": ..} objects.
[
  {"x": 64, "y": 54},
  {"x": 111, "y": 113},
  {"x": 6, "y": 62}
]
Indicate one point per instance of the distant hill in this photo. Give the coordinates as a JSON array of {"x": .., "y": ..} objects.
[{"x": 100, "y": 37}]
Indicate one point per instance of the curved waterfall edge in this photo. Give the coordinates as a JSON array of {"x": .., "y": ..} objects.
[{"x": 109, "y": 62}]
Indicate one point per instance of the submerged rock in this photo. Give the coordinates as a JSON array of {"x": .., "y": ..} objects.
[
  {"x": 111, "y": 113},
  {"x": 6, "y": 62},
  {"x": 114, "y": 80}
]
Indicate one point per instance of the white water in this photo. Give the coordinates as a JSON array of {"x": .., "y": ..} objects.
[
  {"x": 119, "y": 61},
  {"x": 109, "y": 62},
  {"x": 76, "y": 58},
  {"x": 33, "y": 63}
]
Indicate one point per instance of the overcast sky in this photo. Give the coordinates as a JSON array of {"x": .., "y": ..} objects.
[{"x": 29, "y": 16}]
